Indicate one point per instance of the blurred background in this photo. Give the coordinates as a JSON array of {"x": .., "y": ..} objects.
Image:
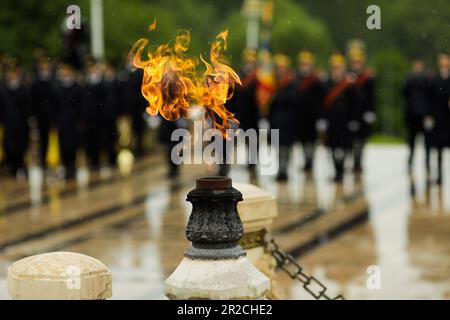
[
  {"x": 408, "y": 31},
  {"x": 122, "y": 200}
]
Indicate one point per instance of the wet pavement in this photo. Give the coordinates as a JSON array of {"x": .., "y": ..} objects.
[{"x": 338, "y": 233}]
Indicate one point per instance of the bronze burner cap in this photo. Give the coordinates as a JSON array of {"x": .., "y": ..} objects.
[{"x": 213, "y": 183}]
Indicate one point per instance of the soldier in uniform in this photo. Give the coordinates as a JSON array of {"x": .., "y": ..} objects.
[
  {"x": 164, "y": 137},
  {"x": 243, "y": 104},
  {"x": 136, "y": 107},
  {"x": 112, "y": 105},
  {"x": 441, "y": 109},
  {"x": 93, "y": 109},
  {"x": 340, "y": 111},
  {"x": 365, "y": 83},
  {"x": 68, "y": 98},
  {"x": 308, "y": 102},
  {"x": 43, "y": 104},
  {"x": 418, "y": 117},
  {"x": 2, "y": 61},
  {"x": 282, "y": 112},
  {"x": 16, "y": 112}
]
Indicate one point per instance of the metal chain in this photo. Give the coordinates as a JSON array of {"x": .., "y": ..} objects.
[{"x": 288, "y": 264}]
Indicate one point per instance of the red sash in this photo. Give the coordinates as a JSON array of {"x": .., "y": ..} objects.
[
  {"x": 307, "y": 82},
  {"x": 363, "y": 77},
  {"x": 285, "y": 81},
  {"x": 248, "y": 79},
  {"x": 335, "y": 92}
]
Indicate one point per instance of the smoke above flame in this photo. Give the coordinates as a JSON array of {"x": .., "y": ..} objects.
[{"x": 172, "y": 83}]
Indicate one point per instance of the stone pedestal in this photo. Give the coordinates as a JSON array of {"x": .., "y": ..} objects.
[
  {"x": 216, "y": 280},
  {"x": 215, "y": 266},
  {"x": 59, "y": 276}
]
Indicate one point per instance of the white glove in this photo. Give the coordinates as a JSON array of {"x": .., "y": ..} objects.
[
  {"x": 428, "y": 123},
  {"x": 369, "y": 117},
  {"x": 353, "y": 126},
  {"x": 233, "y": 125},
  {"x": 321, "y": 125},
  {"x": 263, "y": 123},
  {"x": 153, "y": 121},
  {"x": 182, "y": 123}
]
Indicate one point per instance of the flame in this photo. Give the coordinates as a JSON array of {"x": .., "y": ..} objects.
[
  {"x": 152, "y": 26},
  {"x": 171, "y": 83},
  {"x": 218, "y": 84}
]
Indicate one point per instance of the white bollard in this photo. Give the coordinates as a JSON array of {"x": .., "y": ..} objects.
[{"x": 59, "y": 276}]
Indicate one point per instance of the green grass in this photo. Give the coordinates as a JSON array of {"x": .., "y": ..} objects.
[{"x": 386, "y": 139}]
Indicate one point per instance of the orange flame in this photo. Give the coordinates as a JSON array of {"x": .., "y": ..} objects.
[
  {"x": 152, "y": 25},
  {"x": 171, "y": 83},
  {"x": 218, "y": 84}
]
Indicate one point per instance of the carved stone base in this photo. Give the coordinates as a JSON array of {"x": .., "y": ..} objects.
[{"x": 216, "y": 280}]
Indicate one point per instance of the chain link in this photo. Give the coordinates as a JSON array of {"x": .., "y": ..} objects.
[{"x": 288, "y": 264}]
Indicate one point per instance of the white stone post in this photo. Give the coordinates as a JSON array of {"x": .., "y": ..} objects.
[{"x": 59, "y": 276}]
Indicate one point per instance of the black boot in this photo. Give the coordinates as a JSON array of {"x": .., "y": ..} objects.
[
  {"x": 282, "y": 177},
  {"x": 284, "y": 162},
  {"x": 224, "y": 170}
]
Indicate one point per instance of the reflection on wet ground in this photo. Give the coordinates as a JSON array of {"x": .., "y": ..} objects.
[{"x": 136, "y": 225}]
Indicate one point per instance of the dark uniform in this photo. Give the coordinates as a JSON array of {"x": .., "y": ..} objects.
[
  {"x": 15, "y": 105},
  {"x": 43, "y": 109},
  {"x": 243, "y": 102},
  {"x": 340, "y": 109},
  {"x": 282, "y": 116},
  {"x": 308, "y": 100},
  {"x": 112, "y": 105},
  {"x": 1, "y": 114},
  {"x": 365, "y": 83},
  {"x": 245, "y": 108},
  {"x": 136, "y": 107},
  {"x": 69, "y": 99},
  {"x": 416, "y": 92},
  {"x": 164, "y": 137},
  {"x": 93, "y": 112},
  {"x": 441, "y": 114},
  {"x": 74, "y": 46}
]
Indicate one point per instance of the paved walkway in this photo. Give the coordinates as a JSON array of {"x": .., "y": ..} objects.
[{"x": 136, "y": 226}]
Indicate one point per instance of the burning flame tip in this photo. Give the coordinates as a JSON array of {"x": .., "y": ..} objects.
[
  {"x": 171, "y": 83},
  {"x": 152, "y": 26}
]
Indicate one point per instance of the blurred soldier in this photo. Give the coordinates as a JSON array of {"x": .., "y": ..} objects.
[
  {"x": 74, "y": 45},
  {"x": 93, "y": 109},
  {"x": 2, "y": 59},
  {"x": 441, "y": 109},
  {"x": 113, "y": 100},
  {"x": 15, "y": 114},
  {"x": 2, "y": 66},
  {"x": 282, "y": 112},
  {"x": 365, "y": 83},
  {"x": 418, "y": 112},
  {"x": 125, "y": 158},
  {"x": 136, "y": 107},
  {"x": 308, "y": 102},
  {"x": 340, "y": 112},
  {"x": 164, "y": 137},
  {"x": 68, "y": 97},
  {"x": 43, "y": 104},
  {"x": 243, "y": 103},
  {"x": 266, "y": 83}
]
